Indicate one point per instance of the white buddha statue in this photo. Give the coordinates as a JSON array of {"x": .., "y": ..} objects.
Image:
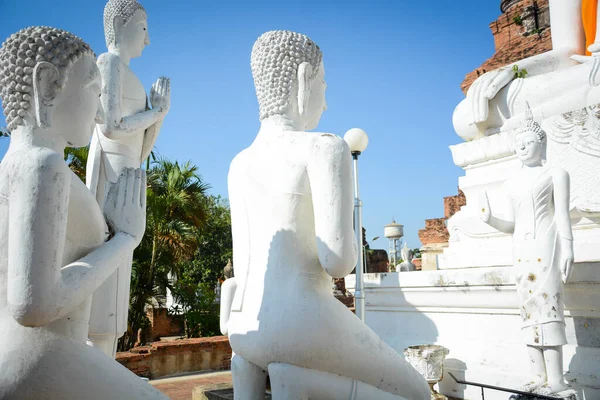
[
  {"x": 291, "y": 204},
  {"x": 54, "y": 251},
  {"x": 407, "y": 255},
  {"x": 124, "y": 140},
  {"x": 538, "y": 219}
]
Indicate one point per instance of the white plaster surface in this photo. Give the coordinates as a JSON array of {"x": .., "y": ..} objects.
[
  {"x": 291, "y": 204},
  {"x": 53, "y": 248},
  {"x": 474, "y": 313},
  {"x": 124, "y": 139}
]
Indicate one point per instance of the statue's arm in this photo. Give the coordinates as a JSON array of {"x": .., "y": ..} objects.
[
  {"x": 150, "y": 139},
  {"x": 503, "y": 225},
  {"x": 240, "y": 233},
  {"x": 478, "y": 113},
  {"x": 227, "y": 293},
  {"x": 568, "y": 39},
  {"x": 329, "y": 170},
  {"x": 160, "y": 97},
  {"x": 39, "y": 289},
  {"x": 115, "y": 125},
  {"x": 562, "y": 203}
]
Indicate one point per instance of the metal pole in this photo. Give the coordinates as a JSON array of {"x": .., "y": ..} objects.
[{"x": 359, "y": 292}]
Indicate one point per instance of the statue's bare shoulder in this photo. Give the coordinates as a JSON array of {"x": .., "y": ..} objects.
[
  {"x": 43, "y": 161},
  {"x": 327, "y": 145},
  {"x": 239, "y": 162},
  {"x": 560, "y": 177},
  {"x": 109, "y": 59}
]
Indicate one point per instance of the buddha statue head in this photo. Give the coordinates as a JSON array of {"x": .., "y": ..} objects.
[
  {"x": 126, "y": 27},
  {"x": 530, "y": 141},
  {"x": 289, "y": 77},
  {"x": 49, "y": 81}
]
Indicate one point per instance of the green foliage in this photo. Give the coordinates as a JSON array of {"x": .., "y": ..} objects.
[
  {"x": 215, "y": 242},
  {"x": 416, "y": 252},
  {"x": 194, "y": 288},
  {"x": 175, "y": 214},
  {"x": 519, "y": 73},
  {"x": 77, "y": 158},
  {"x": 518, "y": 20},
  {"x": 4, "y": 132},
  {"x": 197, "y": 303}
]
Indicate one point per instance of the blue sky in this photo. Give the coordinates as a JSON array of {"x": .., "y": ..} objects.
[{"x": 393, "y": 68}]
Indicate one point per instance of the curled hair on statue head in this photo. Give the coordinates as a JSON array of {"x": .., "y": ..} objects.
[
  {"x": 275, "y": 61},
  {"x": 19, "y": 56},
  {"x": 118, "y": 8}
]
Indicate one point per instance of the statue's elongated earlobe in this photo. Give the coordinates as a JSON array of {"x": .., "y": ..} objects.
[
  {"x": 45, "y": 75},
  {"x": 304, "y": 73},
  {"x": 118, "y": 25}
]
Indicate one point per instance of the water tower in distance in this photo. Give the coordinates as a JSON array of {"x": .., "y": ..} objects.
[{"x": 394, "y": 233}]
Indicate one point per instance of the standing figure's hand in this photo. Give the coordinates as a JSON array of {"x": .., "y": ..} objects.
[
  {"x": 485, "y": 88},
  {"x": 160, "y": 94},
  {"x": 125, "y": 207},
  {"x": 485, "y": 211},
  {"x": 566, "y": 258}
]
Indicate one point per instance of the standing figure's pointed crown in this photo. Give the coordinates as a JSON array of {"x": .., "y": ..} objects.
[{"x": 532, "y": 126}]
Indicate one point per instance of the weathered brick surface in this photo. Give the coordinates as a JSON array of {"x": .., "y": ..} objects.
[
  {"x": 452, "y": 204},
  {"x": 164, "y": 324},
  {"x": 516, "y": 37},
  {"x": 418, "y": 263},
  {"x": 435, "y": 229},
  {"x": 178, "y": 356}
]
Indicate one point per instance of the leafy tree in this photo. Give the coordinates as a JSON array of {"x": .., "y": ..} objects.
[
  {"x": 194, "y": 288},
  {"x": 77, "y": 158},
  {"x": 175, "y": 213},
  {"x": 4, "y": 132}
]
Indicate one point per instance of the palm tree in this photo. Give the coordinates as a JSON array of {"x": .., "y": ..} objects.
[{"x": 175, "y": 212}]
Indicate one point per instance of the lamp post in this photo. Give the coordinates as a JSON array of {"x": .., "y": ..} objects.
[{"x": 358, "y": 140}]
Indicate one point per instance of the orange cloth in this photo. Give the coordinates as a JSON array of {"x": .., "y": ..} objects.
[{"x": 588, "y": 13}]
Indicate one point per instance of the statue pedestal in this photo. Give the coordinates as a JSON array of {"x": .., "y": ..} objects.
[{"x": 474, "y": 313}]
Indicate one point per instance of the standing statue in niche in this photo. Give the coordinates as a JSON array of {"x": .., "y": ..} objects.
[
  {"x": 124, "y": 140},
  {"x": 291, "y": 210},
  {"x": 54, "y": 251},
  {"x": 407, "y": 256},
  {"x": 538, "y": 219}
]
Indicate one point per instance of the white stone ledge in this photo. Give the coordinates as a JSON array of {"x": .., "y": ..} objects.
[{"x": 473, "y": 290}]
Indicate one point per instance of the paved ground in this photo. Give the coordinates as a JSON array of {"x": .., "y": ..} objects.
[{"x": 180, "y": 388}]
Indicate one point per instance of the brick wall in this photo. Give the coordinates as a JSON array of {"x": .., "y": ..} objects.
[
  {"x": 521, "y": 32},
  {"x": 418, "y": 263},
  {"x": 164, "y": 324},
  {"x": 435, "y": 229},
  {"x": 178, "y": 356},
  {"x": 452, "y": 204}
]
